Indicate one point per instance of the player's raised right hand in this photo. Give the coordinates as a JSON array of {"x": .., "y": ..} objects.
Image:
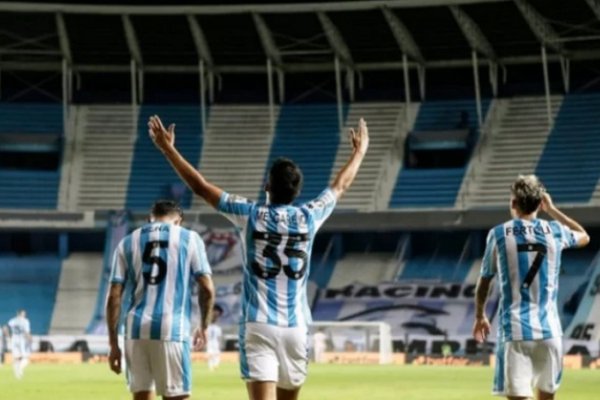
[
  {"x": 547, "y": 203},
  {"x": 114, "y": 360},
  {"x": 162, "y": 138},
  {"x": 360, "y": 137}
]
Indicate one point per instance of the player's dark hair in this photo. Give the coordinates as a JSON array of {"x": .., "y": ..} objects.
[
  {"x": 218, "y": 309},
  {"x": 162, "y": 208},
  {"x": 528, "y": 192},
  {"x": 285, "y": 181}
]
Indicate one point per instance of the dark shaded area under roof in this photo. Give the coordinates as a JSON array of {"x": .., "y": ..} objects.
[
  {"x": 97, "y": 39},
  {"x": 436, "y": 32},
  {"x": 165, "y": 40},
  {"x": 233, "y": 39},
  {"x": 505, "y": 28},
  {"x": 239, "y": 56},
  {"x": 368, "y": 35}
]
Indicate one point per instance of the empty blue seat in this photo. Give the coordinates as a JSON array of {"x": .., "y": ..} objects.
[
  {"x": 569, "y": 164},
  {"x": 309, "y": 135},
  {"x": 152, "y": 177},
  {"x": 29, "y": 283}
]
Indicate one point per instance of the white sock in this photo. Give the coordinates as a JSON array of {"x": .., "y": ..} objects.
[
  {"x": 17, "y": 369},
  {"x": 24, "y": 364}
]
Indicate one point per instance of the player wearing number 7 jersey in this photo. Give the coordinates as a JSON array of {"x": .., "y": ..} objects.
[
  {"x": 277, "y": 238},
  {"x": 525, "y": 253}
]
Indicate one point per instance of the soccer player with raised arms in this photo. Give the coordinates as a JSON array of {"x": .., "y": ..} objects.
[
  {"x": 277, "y": 237},
  {"x": 525, "y": 253},
  {"x": 156, "y": 265}
]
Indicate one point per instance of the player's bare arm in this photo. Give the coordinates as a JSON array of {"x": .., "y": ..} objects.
[
  {"x": 164, "y": 140},
  {"x": 360, "y": 143},
  {"x": 481, "y": 327},
  {"x": 113, "y": 311},
  {"x": 206, "y": 299},
  {"x": 553, "y": 211}
]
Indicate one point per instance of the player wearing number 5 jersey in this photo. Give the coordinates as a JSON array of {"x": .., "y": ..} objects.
[
  {"x": 277, "y": 237},
  {"x": 156, "y": 266},
  {"x": 525, "y": 253}
]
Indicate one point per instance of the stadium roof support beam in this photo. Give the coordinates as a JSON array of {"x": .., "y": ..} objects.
[
  {"x": 595, "y": 6},
  {"x": 335, "y": 39},
  {"x": 473, "y": 33},
  {"x": 67, "y": 72},
  {"x": 409, "y": 48},
  {"x": 266, "y": 39},
  {"x": 137, "y": 87},
  {"x": 403, "y": 37},
  {"x": 200, "y": 41},
  {"x": 271, "y": 50},
  {"x": 340, "y": 48},
  {"x": 549, "y": 39},
  {"x": 63, "y": 38},
  {"x": 478, "y": 42},
  {"x": 205, "y": 62},
  {"x": 580, "y": 55},
  {"x": 540, "y": 27},
  {"x": 216, "y": 9},
  {"x": 132, "y": 42}
]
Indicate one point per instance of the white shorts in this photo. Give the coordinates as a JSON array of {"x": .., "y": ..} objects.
[
  {"x": 274, "y": 354},
  {"x": 20, "y": 347},
  {"x": 213, "y": 348},
  {"x": 161, "y": 366},
  {"x": 526, "y": 364}
]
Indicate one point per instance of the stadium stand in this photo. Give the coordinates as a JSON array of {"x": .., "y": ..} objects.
[
  {"x": 77, "y": 291},
  {"x": 29, "y": 189},
  {"x": 513, "y": 147},
  {"x": 29, "y": 283},
  {"x": 366, "y": 268},
  {"x": 235, "y": 149},
  {"x": 102, "y": 157},
  {"x": 309, "y": 135},
  {"x": 434, "y": 187},
  {"x": 572, "y": 150},
  {"x": 443, "y": 258},
  {"x": 30, "y": 129},
  {"x": 383, "y": 120},
  {"x": 151, "y": 176}
]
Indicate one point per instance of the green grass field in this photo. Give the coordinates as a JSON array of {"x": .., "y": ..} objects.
[{"x": 348, "y": 382}]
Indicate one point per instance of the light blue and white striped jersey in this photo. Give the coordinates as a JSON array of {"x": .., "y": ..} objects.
[
  {"x": 277, "y": 244},
  {"x": 19, "y": 327},
  {"x": 526, "y": 255},
  {"x": 157, "y": 263}
]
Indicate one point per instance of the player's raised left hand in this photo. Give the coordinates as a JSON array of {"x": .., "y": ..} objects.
[
  {"x": 547, "y": 203},
  {"x": 114, "y": 359},
  {"x": 162, "y": 138},
  {"x": 481, "y": 329},
  {"x": 199, "y": 339}
]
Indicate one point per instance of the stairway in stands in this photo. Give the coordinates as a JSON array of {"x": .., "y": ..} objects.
[
  {"x": 382, "y": 120},
  {"x": 77, "y": 293},
  {"x": 236, "y": 148},
  {"x": 514, "y": 148},
  {"x": 105, "y": 139}
]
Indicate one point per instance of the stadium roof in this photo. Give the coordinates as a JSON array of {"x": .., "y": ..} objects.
[{"x": 234, "y": 36}]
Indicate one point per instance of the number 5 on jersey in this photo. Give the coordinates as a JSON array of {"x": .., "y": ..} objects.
[{"x": 152, "y": 258}]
